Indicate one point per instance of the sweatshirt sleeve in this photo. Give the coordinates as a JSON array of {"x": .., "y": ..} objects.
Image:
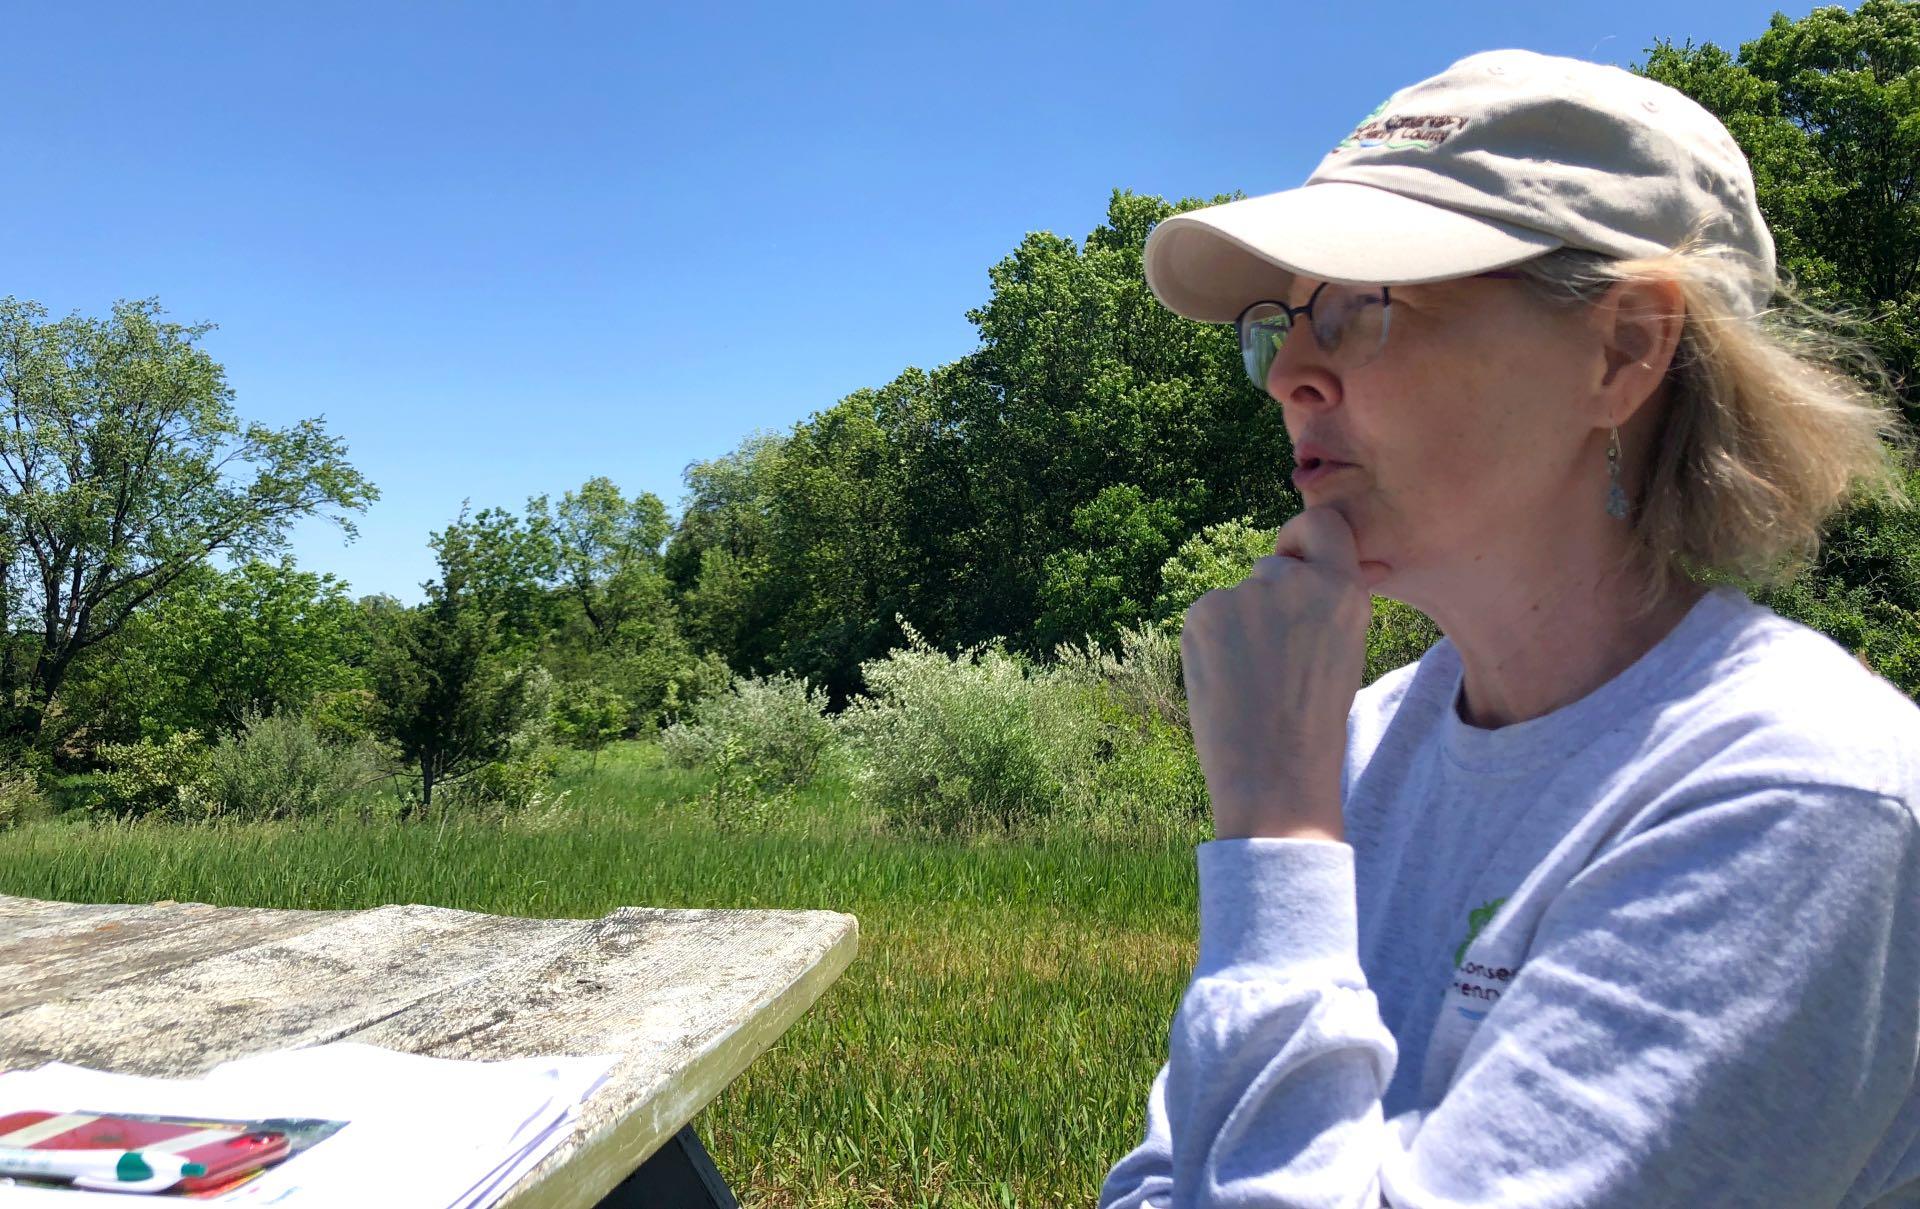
[{"x": 1723, "y": 1009}]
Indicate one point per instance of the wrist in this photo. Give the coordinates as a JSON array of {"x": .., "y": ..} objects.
[
  {"x": 1278, "y": 808},
  {"x": 1277, "y": 830}
]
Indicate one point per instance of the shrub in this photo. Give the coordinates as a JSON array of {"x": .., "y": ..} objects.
[
  {"x": 776, "y": 726},
  {"x": 1151, "y": 781},
  {"x": 1882, "y": 635},
  {"x": 1141, "y": 772},
  {"x": 518, "y": 786},
  {"x": 167, "y": 779},
  {"x": 20, "y": 798},
  {"x": 1399, "y": 634},
  {"x": 741, "y": 796},
  {"x": 950, "y": 742},
  {"x": 535, "y": 731},
  {"x": 1144, "y": 672},
  {"x": 281, "y": 767},
  {"x": 685, "y": 745}
]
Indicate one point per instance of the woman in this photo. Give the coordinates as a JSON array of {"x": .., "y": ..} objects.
[{"x": 1613, "y": 897}]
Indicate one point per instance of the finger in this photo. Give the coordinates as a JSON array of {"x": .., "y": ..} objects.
[{"x": 1320, "y": 534}]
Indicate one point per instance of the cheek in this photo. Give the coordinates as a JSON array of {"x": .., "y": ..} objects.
[
  {"x": 1449, "y": 463},
  {"x": 1430, "y": 438},
  {"x": 1474, "y": 425}
]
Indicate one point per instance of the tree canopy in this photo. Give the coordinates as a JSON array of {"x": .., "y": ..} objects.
[
  {"x": 123, "y": 467},
  {"x": 1827, "y": 109}
]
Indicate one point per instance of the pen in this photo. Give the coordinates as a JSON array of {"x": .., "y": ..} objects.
[{"x": 99, "y": 1166}]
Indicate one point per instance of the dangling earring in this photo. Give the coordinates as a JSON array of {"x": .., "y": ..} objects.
[{"x": 1616, "y": 498}]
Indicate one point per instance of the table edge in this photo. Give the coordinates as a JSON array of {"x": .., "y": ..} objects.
[{"x": 607, "y": 1157}]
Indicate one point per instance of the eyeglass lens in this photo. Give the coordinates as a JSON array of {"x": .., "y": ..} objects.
[{"x": 1349, "y": 324}]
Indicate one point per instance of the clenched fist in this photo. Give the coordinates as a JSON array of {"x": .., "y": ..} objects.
[{"x": 1271, "y": 668}]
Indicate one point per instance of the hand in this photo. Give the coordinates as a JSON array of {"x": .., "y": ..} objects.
[{"x": 1271, "y": 666}]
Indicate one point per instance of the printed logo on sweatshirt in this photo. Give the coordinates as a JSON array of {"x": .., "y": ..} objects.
[{"x": 1478, "y": 982}]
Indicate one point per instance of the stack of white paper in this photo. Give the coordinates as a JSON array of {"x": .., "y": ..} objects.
[{"x": 420, "y": 1131}]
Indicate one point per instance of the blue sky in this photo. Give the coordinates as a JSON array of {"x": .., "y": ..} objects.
[{"x": 504, "y": 248}]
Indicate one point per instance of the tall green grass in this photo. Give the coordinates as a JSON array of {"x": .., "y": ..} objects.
[{"x": 991, "y": 1044}]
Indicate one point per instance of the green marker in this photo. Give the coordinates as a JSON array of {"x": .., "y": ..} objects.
[{"x": 99, "y": 1168}]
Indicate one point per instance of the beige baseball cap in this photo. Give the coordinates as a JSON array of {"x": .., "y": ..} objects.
[{"x": 1503, "y": 156}]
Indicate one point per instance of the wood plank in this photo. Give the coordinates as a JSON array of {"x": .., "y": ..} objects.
[
  {"x": 690, "y": 997},
  {"x": 69, "y": 955},
  {"x": 305, "y": 989},
  {"x": 21, "y": 913}
]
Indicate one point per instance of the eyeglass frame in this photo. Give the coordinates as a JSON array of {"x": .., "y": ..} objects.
[{"x": 1306, "y": 309}]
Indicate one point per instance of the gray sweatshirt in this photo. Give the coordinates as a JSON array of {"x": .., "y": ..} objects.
[{"x": 1659, "y": 947}]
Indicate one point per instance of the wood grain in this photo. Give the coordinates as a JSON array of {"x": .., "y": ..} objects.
[
  {"x": 72, "y": 955},
  {"x": 282, "y": 993},
  {"x": 689, "y": 997}
]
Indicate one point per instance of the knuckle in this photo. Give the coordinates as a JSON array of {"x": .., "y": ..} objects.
[{"x": 1206, "y": 611}]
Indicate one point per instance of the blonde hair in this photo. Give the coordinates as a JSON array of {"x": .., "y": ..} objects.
[{"x": 1774, "y": 422}]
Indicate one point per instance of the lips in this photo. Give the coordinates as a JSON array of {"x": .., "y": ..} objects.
[
  {"x": 1314, "y": 469},
  {"x": 1307, "y": 452}
]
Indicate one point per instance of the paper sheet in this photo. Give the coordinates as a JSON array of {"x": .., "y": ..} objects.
[{"x": 420, "y": 1131}]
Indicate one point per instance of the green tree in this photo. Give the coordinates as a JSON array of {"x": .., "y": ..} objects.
[
  {"x": 1219, "y": 556},
  {"x": 607, "y": 557},
  {"x": 1222, "y": 555},
  {"x": 579, "y": 587},
  {"x": 718, "y": 560},
  {"x": 717, "y": 608},
  {"x": 262, "y": 638},
  {"x": 1827, "y": 109},
  {"x": 794, "y": 552},
  {"x": 1084, "y": 383},
  {"x": 504, "y": 565},
  {"x": 589, "y": 715},
  {"x": 449, "y": 701},
  {"x": 1105, "y": 582},
  {"x": 124, "y": 467},
  {"x": 845, "y": 488}
]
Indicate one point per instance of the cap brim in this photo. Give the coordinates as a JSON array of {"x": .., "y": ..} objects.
[{"x": 1208, "y": 264}]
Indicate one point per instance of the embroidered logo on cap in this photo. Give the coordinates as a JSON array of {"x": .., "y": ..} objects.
[{"x": 1423, "y": 130}]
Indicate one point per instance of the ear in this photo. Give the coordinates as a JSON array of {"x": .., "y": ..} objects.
[{"x": 1638, "y": 323}]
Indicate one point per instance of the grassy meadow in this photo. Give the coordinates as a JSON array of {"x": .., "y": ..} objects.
[{"x": 991, "y": 1044}]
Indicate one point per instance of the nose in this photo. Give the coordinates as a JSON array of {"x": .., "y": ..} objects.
[{"x": 1299, "y": 374}]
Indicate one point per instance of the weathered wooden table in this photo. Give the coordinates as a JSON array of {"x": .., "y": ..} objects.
[{"x": 689, "y": 997}]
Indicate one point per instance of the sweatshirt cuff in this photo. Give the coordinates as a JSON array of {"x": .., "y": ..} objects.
[{"x": 1278, "y": 903}]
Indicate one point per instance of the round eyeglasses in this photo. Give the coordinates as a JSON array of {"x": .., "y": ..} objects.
[{"x": 1349, "y": 324}]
